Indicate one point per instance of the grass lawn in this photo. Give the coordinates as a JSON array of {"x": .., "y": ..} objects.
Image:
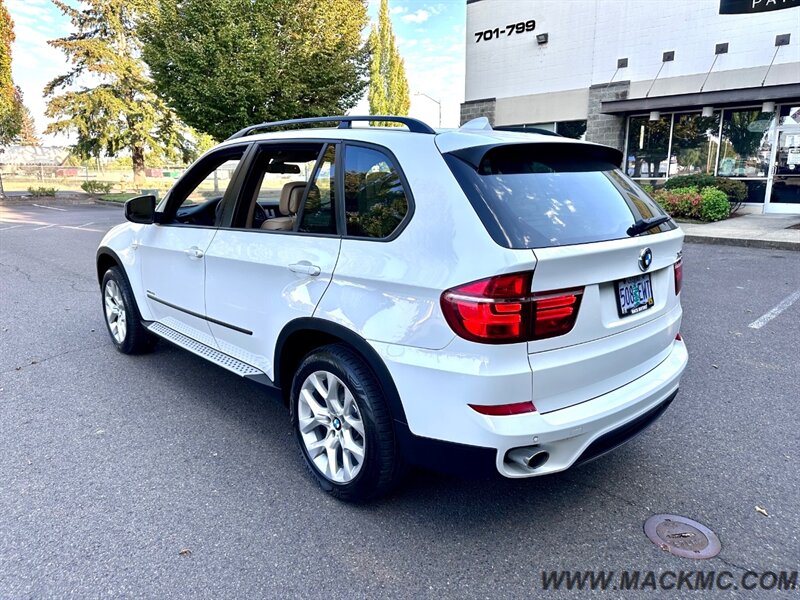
[{"x": 119, "y": 197}]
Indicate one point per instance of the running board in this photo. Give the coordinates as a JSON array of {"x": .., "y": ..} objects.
[{"x": 211, "y": 354}]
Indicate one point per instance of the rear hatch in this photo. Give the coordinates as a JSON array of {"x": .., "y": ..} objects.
[{"x": 567, "y": 210}]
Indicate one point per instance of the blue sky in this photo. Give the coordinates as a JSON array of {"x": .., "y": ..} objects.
[{"x": 430, "y": 37}]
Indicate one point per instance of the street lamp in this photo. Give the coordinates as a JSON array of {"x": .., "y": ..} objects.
[{"x": 433, "y": 100}]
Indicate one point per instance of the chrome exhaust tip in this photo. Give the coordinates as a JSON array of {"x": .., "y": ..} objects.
[{"x": 529, "y": 457}]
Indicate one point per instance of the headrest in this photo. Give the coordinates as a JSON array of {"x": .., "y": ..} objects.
[{"x": 291, "y": 195}]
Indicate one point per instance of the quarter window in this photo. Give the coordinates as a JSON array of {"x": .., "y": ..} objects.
[{"x": 375, "y": 201}]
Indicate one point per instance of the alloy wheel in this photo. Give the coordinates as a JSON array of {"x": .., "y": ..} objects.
[
  {"x": 331, "y": 427},
  {"x": 116, "y": 316}
]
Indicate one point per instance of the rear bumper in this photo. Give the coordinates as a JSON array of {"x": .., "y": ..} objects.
[{"x": 570, "y": 435}]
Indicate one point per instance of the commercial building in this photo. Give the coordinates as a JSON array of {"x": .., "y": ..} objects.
[{"x": 680, "y": 86}]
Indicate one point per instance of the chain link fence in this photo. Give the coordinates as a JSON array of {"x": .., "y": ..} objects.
[{"x": 22, "y": 178}]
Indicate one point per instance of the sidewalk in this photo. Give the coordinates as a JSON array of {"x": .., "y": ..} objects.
[{"x": 752, "y": 230}]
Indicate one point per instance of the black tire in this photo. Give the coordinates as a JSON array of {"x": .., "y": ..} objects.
[
  {"x": 137, "y": 339},
  {"x": 382, "y": 465}
]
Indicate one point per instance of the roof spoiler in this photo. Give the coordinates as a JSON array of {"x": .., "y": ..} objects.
[{"x": 556, "y": 150}]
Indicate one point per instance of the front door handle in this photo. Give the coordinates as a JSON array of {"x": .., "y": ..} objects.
[
  {"x": 306, "y": 268},
  {"x": 194, "y": 253}
]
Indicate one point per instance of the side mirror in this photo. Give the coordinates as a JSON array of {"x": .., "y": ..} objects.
[{"x": 141, "y": 209}]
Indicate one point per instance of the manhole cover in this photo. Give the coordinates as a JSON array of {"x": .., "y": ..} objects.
[{"x": 682, "y": 537}]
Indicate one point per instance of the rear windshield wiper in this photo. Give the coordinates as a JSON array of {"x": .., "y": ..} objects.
[{"x": 643, "y": 225}]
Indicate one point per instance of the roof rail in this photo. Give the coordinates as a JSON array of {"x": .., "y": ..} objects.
[
  {"x": 528, "y": 130},
  {"x": 345, "y": 122}
]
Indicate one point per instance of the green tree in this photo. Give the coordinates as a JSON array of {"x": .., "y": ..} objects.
[
  {"x": 256, "y": 60},
  {"x": 27, "y": 134},
  {"x": 121, "y": 112},
  {"x": 388, "y": 86},
  {"x": 10, "y": 97}
]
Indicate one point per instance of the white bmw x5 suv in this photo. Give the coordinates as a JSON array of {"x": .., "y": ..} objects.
[{"x": 472, "y": 300}]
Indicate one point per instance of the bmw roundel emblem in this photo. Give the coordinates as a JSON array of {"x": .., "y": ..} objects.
[
  {"x": 337, "y": 424},
  {"x": 645, "y": 259}
]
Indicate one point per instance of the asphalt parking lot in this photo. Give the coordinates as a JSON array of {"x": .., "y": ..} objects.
[{"x": 162, "y": 476}]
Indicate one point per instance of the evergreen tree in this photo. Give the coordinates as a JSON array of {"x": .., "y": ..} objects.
[
  {"x": 10, "y": 98},
  {"x": 388, "y": 86},
  {"x": 122, "y": 111},
  {"x": 27, "y": 134}
]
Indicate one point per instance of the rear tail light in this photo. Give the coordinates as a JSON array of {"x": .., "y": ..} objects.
[
  {"x": 499, "y": 410},
  {"x": 678, "y": 276},
  {"x": 503, "y": 310}
]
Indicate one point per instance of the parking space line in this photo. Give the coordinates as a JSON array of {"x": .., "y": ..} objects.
[
  {"x": 785, "y": 303},
  {"x": 44, "y": 227},
  {"x": 12, "y": 227},
  {"x": 50, "y": 207},
  {"x": 81, "y": 228}
]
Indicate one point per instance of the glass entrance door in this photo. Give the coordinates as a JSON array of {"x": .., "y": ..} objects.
[{"x": 783, "y": 189}]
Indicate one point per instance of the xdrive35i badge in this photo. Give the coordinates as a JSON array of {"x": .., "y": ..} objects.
[{"x": 645, "y": 259}]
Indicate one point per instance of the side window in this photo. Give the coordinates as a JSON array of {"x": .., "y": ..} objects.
[
  {"x": 319, "y": 210},
  {"x": 374, "y": 199},
  {"x": 200, "y": 192},
  {"x": 213, "y": 185},
  {"x": 275, "y": 186}
]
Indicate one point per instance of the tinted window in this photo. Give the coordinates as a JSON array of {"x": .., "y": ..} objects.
[
  {"x": 375, "y": 202},
  {"x": 543, "y": 195},
  {"x": 319, "y": 210}
]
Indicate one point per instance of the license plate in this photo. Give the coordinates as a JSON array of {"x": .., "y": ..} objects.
[{"x": 634, "y": 295}]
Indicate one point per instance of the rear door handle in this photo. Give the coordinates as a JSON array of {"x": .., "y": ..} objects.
[
  {"x": 306, "y": 268},
  {"x": 194, "y": 252}
]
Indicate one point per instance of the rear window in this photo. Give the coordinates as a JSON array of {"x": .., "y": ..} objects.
[{"x": 544, "y": 195}]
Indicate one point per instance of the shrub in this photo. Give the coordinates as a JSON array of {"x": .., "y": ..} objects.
[
  {"x": 680, "y": 202},
  {"x": 41, "y": 191},
  {"x": 714, "y": 204},
  {"x": 708, "y": 204},
  {"x": 97, "y": 187},
  {"x": 736, "y": 190}
]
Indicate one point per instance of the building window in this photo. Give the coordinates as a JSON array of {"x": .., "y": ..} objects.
[
  {"x": 648, "y": 142},
  {"x": 572, "y": 129},
  {"x": 790, "y": 115},
  {"x": 746, "y": 143},
  {"x": 694, "y": 144}
]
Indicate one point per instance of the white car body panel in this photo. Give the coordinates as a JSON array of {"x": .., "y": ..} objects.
[
  {"x": 123, "y": 240},
  {"x": 171, "y": 272},
  {"x": 255, "y": 264}
]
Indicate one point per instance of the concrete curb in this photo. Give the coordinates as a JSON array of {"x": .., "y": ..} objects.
[
  {"x": 109, "y": 203},
  {"x": 745, "y": 242}
]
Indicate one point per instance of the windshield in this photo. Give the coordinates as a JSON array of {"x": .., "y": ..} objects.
[{"x": 544, "y": 195}]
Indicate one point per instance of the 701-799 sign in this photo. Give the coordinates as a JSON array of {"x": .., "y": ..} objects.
[{"x": 508, "y": 30}]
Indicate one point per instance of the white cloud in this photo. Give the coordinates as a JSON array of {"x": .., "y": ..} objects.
[
  {"x": 405, "y": 43},
  {"x": 398, "y": 10},
  {"x": 419, "y": 16}
]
